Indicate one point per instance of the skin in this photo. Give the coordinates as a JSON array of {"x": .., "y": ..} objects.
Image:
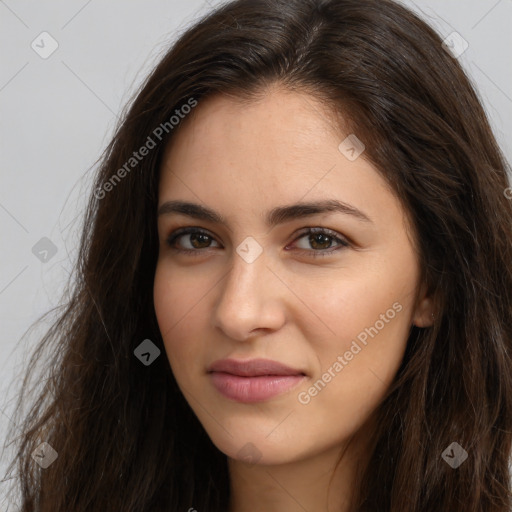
[{"x": 242, "y": 160}]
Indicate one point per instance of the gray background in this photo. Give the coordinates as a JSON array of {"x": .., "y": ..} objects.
[{"x": 57, "y": 115}]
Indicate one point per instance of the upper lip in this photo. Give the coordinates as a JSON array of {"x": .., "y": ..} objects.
[{"x": 252, "y": 367}]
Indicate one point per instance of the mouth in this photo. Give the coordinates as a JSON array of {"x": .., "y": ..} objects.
[
  {"x": 254, "y": 380},
  {"x": 253, "y": 368}
]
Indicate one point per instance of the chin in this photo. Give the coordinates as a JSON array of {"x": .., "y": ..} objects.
[{"x": 258, "y": 449}]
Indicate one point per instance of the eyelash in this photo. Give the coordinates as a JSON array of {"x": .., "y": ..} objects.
[{"x": 171, "y": 239}]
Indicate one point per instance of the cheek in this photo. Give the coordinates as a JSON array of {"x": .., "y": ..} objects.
[
  {"x": 177, "y": 294},
  {"x": 352, "y": 376},
  {"x": 352, "y": 305},
  {"x": 368, "y": 314},
  {"x": 165, "y": 300},
  {"x": 178, "y": 311}
]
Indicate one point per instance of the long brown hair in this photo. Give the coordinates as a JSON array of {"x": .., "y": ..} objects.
[{"x": 126, "y": 438}]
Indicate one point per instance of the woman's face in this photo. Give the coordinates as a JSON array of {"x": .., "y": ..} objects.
[{"x": 334, "y": 306}]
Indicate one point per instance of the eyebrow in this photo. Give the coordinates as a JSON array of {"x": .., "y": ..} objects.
[{"x": 277, "y": 215}]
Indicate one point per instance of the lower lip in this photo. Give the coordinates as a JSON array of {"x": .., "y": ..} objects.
[{"x": 253, "y": 389}]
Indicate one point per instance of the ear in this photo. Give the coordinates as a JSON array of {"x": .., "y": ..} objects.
[{"x": 424, "y": 311}]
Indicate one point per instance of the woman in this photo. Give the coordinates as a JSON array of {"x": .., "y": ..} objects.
[{"x": 294, "y": 287}]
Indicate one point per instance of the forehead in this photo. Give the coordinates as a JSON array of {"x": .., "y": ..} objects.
[
  {"x": 282, "y": 135},
  {"x": 253, "y": 156},
  {"x": 278, "y": 118}
]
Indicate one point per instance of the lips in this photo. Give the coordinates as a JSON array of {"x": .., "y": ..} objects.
[
  {"x": 253, "y": 368},
  {"x": 255, "y": 380}
]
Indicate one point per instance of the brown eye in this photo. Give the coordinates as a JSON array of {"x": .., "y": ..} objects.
[
  {"x": 195, "y": 240},
  {"x": 320, "y": 241}
]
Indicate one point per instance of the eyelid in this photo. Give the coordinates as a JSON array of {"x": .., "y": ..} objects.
[
  {"x": 343, "y": 242},
  {"x": 187, "y": 230}
]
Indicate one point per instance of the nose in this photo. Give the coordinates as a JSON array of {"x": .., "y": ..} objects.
[{"x": 250, "y": 299}]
